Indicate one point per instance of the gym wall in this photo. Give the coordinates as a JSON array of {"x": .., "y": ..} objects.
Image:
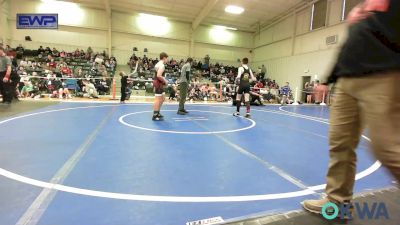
[
  {"x": 290, "y": 50},
  {"x": 127, "y": 34},
  {"x": 78, "y": 28},
  {"x": 81, "y": 27},
  {"x": 4, "y": 29}
]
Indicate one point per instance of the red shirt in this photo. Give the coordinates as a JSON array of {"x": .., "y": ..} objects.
[{"x": 52, "y": 64}]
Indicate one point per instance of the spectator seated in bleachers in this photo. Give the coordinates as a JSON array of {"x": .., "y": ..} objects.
[
  {"x": 27, "y": 88},
  {"x": 228, "y": 92},
  {"x": 90, "y": 73},
  {"x": 89, "y": 89},
  {"x": 103, "y": 86}
]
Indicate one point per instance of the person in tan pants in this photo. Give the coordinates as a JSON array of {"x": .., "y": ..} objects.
[
  {"x": 367, "y": 95},
  {"x": 371, "y": 102}
]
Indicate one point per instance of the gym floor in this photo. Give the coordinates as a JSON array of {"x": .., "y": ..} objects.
[{"x": 102, "y": 163}]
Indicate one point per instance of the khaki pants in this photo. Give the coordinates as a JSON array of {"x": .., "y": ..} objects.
[
  {"x": 6, "y": 89},
  {"x": 371, "y": 102},
  {"x": 183, "y": 94}
]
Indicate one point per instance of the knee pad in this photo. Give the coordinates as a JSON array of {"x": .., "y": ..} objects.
[{"x": 247, "y": 97}]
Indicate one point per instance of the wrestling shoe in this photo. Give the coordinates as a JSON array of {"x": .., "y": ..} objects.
[
  {"x": 181, "y": 112},
  {"x": 157, "y": 118},
  {"x": 161, "y": 116},
  {"x": 248, "y": 115},
  {"x": 236, "y": 114}
]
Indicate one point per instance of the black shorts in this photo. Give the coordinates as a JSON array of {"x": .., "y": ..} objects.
[{"x": 243, "y": 90}]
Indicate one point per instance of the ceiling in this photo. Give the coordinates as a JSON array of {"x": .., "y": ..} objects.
[{"x": 209, "y": 12}]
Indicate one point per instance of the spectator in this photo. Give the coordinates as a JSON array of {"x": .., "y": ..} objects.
[
  {"x": 102, "y": 86},
  {"x": 113, "y": 63},
  {"x": 269, "y": 95},
  {"x": 27, "y": 88},
  {"x": 213, "y": 93},
  {"x": 41, "y": 50},
  {"x": 55, "y": 52},
  {"x": 207, "y": 61},
  {"x": 263, "y": 72},
  {"x": 47, "y": 51},
  {"x": 205, "y": 90},
  {"x": 90, "y": 89},
  {"x": 89, "y": 51},
  {"x": 134, "y": 64},
  {"x": 229, "y": 92},
  {"x": 317, "y": 93},
  {"x": 18, "y": 49},
  {"x": 285, "y": 93},
  {"x": 309, "y": 92},
  {"x": 63, "y": 54},
  {"x": 103, "y": 70},
  {"x": 172, "y": 92},
  {"x": 52, "y": 64}
]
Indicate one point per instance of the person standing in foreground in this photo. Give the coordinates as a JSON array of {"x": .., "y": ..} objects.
[
  {"x": 5, "y": 77},
  {"x": 245, "y": 77},
  {"x": 184, "y": 84},
  {"x": 159, "y": 82},
  {"x": 367, "y": 77}
]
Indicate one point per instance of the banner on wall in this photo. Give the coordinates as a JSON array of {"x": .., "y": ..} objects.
[{"x": 37, "y": 21}]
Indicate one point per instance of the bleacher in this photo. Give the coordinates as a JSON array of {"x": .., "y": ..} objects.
[{"x": 74, "y": 63}]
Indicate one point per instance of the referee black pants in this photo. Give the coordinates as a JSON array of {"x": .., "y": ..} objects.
[
  {"x": 123, "y": 93},
  {"x": 6, "y": 89}
]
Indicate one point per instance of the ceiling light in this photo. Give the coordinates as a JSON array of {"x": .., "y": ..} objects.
[
  {"x": 234, "y": 9},
  {"x": 219, "y": 27},
  {"x": 152, "y": 17},
  {"x": 153, "y": 25},
  {"x": 221, "y": 35}
]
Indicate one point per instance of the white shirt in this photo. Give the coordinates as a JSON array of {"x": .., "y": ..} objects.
[
  {"x": 159, "y": 65},
  {"x": 241, "y": 71}
]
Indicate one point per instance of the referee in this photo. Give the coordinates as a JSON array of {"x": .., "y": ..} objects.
[
  {"x": 184, "y": 84},
  {"x": 5, "y": 77}
]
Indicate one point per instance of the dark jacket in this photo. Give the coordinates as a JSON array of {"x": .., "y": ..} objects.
[{"x": 373, "y": 45}]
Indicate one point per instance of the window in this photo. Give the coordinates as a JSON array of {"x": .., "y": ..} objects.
[
  {"x": 348, "y": 5},
  {"x": 318, "y": 14}
]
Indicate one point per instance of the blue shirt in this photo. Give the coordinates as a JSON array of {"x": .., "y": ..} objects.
[{"x": 285, "y": 90}]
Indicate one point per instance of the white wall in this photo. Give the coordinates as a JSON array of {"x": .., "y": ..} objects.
[
  {"x": 289, "y": 48},
  {"x": 86, "y": 27},
  {"x": 4, "y": 29},
  {"x": 176, "y": 42},
  {"x": 83, "y": 27}
]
